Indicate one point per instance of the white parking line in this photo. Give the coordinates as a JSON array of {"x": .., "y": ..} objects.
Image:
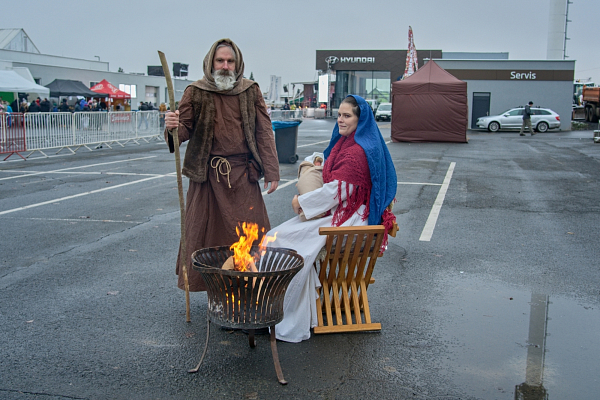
[
  {"x": 419, "y": 183},
  {"x": 83, "y": 194},
  {"x": 82, "y": 219},
  {"x": 90, "y": 173},
  {"x": 25, "y": 174},
  {"x": 437, "y": 206},
  {"x": 312, "y": 144},
  {"x": 282, "y": 186}
]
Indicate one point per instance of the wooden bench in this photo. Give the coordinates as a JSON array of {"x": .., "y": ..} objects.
[{"x": 345, "y": 275}]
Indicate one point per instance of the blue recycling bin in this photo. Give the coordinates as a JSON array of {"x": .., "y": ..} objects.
[{"x": 286, "y": 140}]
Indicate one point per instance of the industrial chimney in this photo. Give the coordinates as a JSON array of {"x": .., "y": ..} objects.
[{"x": 557, "y": 29}]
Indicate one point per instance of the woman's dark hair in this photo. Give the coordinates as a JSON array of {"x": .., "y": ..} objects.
[{"x": 352, "y": 101}]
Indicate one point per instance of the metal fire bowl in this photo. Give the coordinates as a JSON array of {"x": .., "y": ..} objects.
[{"x": 247, "y": 300}]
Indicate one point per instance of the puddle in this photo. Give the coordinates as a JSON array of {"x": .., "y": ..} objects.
[{"x": 508, "y": 343}]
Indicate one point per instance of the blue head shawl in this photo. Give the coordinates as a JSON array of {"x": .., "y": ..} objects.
[{"x": 381, "y": 167}]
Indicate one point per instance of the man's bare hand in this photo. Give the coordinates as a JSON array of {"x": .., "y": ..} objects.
[
  {"x": 274, "y": 185},
  {"x": 172, "y": 120}
]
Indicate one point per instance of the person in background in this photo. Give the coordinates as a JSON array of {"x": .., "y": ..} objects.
[
  {"x": 34, "y": 107},
  {"x": 527, "y": 119},
  {"x": 143, "y": 118},
  {"x": 45, "y": 108},
  {"x": 162, "y": 109},
  {"x": 24, "y": 106},
  {"x": 64, "y": 107},
  {"x": 6, "y": 108},
  {"x": 230, "y": 146},
  {"x": 45, "y": 105}
]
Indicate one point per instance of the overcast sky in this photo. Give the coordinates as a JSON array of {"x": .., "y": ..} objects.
[{"x": 280, "y": 37}]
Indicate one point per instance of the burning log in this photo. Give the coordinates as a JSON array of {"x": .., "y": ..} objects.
[{"x": 229, "y": 265}]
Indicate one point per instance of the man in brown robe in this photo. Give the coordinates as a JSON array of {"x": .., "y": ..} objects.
[{"x": 231, "y": 145}]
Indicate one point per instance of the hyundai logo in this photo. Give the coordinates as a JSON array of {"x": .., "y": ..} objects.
[{"x": 331, "y": 60}]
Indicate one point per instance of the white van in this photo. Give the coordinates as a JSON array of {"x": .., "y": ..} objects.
[{"x": 384, "y": 112}]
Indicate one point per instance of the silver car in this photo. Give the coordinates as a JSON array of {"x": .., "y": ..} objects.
[{"x": 542, "y": 119}]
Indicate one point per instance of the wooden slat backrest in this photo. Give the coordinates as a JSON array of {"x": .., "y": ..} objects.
[{"x": 345, "y": 274}]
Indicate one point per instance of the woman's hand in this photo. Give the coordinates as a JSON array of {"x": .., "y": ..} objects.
[
  {"x": 172, "y": 120},
  {"x": 296, "y": 205}
]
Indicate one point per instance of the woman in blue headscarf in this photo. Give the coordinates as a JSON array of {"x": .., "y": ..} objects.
[{"x": 359, "y": 184}]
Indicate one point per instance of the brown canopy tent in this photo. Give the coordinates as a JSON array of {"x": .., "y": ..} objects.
[{"x": 430, "y": 106}]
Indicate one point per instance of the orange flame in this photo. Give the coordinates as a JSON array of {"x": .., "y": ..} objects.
[
  {"x": 242, "y": 259},
  {"x": 265, "y": 242}
]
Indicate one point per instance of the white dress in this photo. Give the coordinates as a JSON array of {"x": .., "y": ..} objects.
[{"x": 299, "y": 305}]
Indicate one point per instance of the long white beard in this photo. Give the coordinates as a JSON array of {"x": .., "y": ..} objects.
[{"x": 224, "y": 79}]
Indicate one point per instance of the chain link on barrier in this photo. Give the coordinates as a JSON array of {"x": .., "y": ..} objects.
[
  {"x": 12, "y": 134},
  {"x": 63, "y": 130}
]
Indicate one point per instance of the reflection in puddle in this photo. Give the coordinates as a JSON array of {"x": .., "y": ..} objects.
[
  {"x": 532, "y": 388},
  {"x": 507, "y": 343}
]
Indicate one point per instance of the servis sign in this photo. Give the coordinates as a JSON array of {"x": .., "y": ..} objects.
[{"x": 523, "y": 75}]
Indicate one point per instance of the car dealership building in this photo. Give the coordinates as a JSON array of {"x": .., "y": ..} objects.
[{"x": 494, "y": 83}]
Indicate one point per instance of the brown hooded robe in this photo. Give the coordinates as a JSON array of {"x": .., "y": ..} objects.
[{"x": 233, "y": 125}]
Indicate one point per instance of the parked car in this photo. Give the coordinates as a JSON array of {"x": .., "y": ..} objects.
[
  {"x": 542, "y": 119},
  {"x": 384, "y": 112}
]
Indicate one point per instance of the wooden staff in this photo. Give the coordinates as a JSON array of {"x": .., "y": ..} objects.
[{"x": 174, "y": 133}]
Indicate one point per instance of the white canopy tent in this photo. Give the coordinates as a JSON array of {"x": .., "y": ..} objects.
[{"x": 10, "y": 81}]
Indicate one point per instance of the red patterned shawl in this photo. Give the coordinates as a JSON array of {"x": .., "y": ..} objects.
[{"x": 348, "y": 163}]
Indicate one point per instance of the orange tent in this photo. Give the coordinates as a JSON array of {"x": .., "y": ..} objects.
[{"x": 113, "y": 91}]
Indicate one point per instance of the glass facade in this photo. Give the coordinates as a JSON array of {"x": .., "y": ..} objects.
[{"x": 370, "y": 85}]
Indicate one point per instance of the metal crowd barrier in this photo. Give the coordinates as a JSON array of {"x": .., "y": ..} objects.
[
  {"x": 44, "y": 131},
  {"x": 12, "y": 134},
  {"x": 283, "y": 115},
  {"x": 48, "y": 130}
]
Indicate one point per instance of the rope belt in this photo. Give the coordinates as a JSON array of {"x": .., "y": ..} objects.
[{"x": 221, "y": 166}]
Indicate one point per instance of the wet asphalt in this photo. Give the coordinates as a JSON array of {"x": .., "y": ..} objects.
[{"x": 499, "y": 296}]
